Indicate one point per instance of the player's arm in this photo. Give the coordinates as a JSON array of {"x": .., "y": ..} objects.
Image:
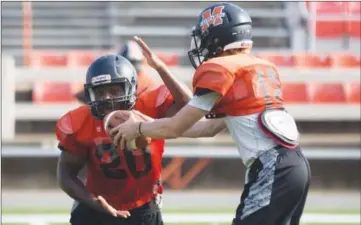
[
  {"x": 181, "y": 94},
  {"x": 168, "y": 128},
  {"x": 205, "y": 99},
  {"x": 69, "y": 165},
  {"x": 186, "y": 123},
  {"x": 205, "y": 128},
  {"x": 72, "y": 159}
]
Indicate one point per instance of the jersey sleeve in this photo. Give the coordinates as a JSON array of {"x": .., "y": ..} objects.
[
  {"x": 164, "y": 100},
  {"x": 66, "y": 132},
  {"x": 155, "y": 103},
  {"x": 214, "y": 77}
]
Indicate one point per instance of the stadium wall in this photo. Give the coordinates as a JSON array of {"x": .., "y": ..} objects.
[{"x": 24, "y": 172}]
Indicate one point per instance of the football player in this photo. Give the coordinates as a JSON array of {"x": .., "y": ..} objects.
[
  {"x": 247, "y": 91},
  {"x": 122, "y": 187}
]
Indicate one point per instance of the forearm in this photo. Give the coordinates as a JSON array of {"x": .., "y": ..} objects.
[
  {"x": 73, "y": 187},
  {"x": 180, "y": 93},
  {"x": 205, "y": 128},
  {"x": 159, "y": 129},
  {"x": 168, "y": 128}
]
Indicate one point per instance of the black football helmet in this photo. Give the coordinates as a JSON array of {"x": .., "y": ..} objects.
[
  {"x": 132, "y": 52},
  {"x": 220, "y": 27},
  {"x": 106, "y": 70}
]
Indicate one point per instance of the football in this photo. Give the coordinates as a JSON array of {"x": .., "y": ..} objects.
[{"x": 115, "y": 118}]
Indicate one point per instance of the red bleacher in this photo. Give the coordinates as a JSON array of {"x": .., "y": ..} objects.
[
  {"x": 295, "y": 93},
  {"x": 345, "y": 19},
  {"x": 327, "y": 93},
  {"x": 48, "y": 59},
  {"x": 276, "y": 58},
  {"x": 82, "y": 58},
  {"x": 55, "y": 92},
  {"x": 327, "y": 29},
  {"x": 307, "y": 60},
  {"x": 353, "y": 92},
  {"x": 354, "y": 7},
  {"x": 299, "y": 93},
  {"x": 343, "y": 60},
  {"x": 354, "y": 28}
]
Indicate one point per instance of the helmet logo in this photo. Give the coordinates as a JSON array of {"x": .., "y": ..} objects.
[
  {"x": 101, "y": 79},
  {"x": 213, "y": 17}
]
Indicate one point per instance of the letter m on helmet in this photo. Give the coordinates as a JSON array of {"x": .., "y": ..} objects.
[{"x": 212, "y": 17}]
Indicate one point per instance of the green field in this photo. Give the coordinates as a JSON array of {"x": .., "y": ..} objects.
[{"x": 174, "y": 210}]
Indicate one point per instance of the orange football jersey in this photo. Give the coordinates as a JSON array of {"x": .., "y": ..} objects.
[
  {"x": 247, "y": 84},
  {"x": 126, "y": 179}
]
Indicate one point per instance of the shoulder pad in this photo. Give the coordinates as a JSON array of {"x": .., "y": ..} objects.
[
  {"x": 154, "y": 98},
  {"x": 73, "y": 120},
  {"x": 162, "y": 95}
]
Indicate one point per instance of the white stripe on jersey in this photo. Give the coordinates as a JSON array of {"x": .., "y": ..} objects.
[{"x": 205, "y": 102}]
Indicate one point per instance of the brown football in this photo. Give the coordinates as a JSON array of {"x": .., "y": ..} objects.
[{"x": 115, "y": 118}]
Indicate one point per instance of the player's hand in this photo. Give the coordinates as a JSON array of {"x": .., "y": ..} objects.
[
  {"x": 125, "y": 132},
  {"x": 152, "y": 59},
  {"x": 111, "y": 210}
]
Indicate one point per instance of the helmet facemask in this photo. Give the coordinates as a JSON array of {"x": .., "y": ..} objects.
[
  {"x": 123, "y": 100},
  {"x": 203, "y": 47},
  {"x": 198, "y": 53}
]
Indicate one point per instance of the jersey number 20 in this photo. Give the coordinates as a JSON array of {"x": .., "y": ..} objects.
[{"x": 115, "y": 167}]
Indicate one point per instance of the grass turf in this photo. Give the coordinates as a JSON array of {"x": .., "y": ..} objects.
[{"x": 167, "y": 210}]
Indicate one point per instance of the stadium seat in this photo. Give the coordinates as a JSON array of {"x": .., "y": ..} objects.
[
  {"x": 48, "y": 59},
  {"x": 81, "y": 58},
  {"x": 278, "y": 59},
  {"x": 168, "y": 59},
  {"x": 295, "y": 93},
  {"x": 309, "y": 60},
  {"x": 353, "y": 92},
  {"x": 331, "y": 29},
  {"x": 338, "y": 26},
  {"x": 52, "y": 92},
  {"x": 327, "y": 93},
  {"x": 344, "y": 60},
  {"x": 355, "y": 30},
  {"x": 354, "y": 7},
  {"x": 326, "y": 7}
]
